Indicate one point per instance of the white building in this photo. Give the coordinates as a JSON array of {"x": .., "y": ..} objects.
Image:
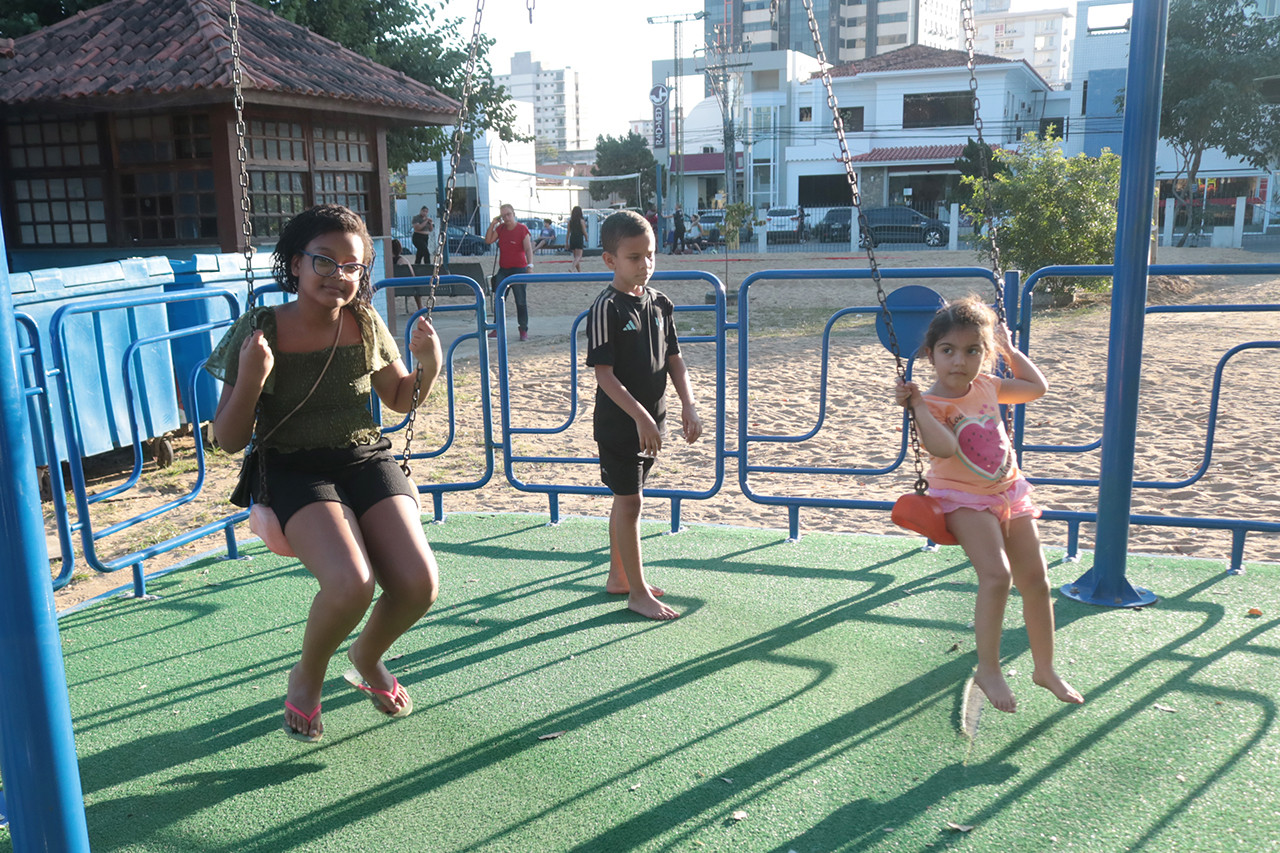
[
  {"x": 1041, "y": 37},
  {"x": 557, "y": 111},
  {"x": 907, "y": 115},
  {"x": 850, "y": 30},
  {"x": 497, "y": 172}
]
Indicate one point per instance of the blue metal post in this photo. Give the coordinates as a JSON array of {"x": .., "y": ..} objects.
[
  {"x": 45, "y": 804},
  {"x": 1105, "y": 582}
]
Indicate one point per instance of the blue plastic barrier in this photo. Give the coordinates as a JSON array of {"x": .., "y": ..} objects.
[
  {"x": 224, "y": 272},
  {"x": 95, "y": 345}
]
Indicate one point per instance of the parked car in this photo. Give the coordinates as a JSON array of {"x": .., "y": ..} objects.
[
  {"x": 712, "y": 222},
  {"x": 782, "y": 225},
  {"x": 535, "y": 229},
  {"x": 902, "y": 225},
  {"x": 463, "y": 242},
  {"x": 834, "y": 225}
]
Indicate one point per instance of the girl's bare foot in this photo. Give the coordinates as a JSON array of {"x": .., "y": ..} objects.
[
  {"x": 647, "y": 605},
  {"x": 1055, "y": 685},
  {"x": 302, "y": 699},
  {"x": 997, "y": 691},
  {"x": 622, "y": 587},
  {"x": 376, "y": 675}
]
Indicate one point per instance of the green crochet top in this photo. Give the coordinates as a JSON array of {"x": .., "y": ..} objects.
[{"x": 337, "y": 414}]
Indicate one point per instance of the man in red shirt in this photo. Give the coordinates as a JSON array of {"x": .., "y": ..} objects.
[{"x": 515, "y": 249}]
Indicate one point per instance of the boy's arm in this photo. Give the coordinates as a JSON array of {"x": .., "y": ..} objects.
[
  {"x": 646, "y": 427},
  {"x": 690, "y": 423}
]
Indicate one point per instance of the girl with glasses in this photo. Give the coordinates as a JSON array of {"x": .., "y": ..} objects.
[{"x": 346, "y": 508}]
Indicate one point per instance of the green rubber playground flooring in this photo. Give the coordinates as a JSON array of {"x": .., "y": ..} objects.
[{"x": 808, "y": 699}]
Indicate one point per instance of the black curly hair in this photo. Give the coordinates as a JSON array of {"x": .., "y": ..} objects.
[
  {"x": 310, "y": 224},
  {"x": 967, "y": 313}
]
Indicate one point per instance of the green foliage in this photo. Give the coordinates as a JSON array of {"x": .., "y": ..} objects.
[
  {"x": 971, "y": 164},
  {"x": 1216, "y": 51},
  {"x": 625, "y": 155},
  {"x": 1049, "y": 209},
  {"x": 404, "y": 35},
  {"x": 735, "y": 215}
]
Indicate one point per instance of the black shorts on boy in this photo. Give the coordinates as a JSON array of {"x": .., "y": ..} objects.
[{"x": 636, "y": 336}]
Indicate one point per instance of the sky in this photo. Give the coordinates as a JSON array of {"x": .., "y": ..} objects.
[{"x": 608, "y": 42}]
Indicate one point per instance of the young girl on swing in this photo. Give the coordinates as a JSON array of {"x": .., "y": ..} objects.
[
  {"x": 975, "y": 479},
  {"x": 347, "y": 509}
]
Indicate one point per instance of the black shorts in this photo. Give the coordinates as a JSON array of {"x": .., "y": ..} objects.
[
  {"x": 358, "y": 477},
  {"x": 623, "y": 469}
]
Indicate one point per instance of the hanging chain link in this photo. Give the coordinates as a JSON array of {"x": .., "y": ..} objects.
[
  {"x": 437, "y": 258},
  {"x": 529, "y": 3},
  {"x": 242, "y": 153},
  {"x": 865, "y": 239},
  {"x": 984, "y": 155}
]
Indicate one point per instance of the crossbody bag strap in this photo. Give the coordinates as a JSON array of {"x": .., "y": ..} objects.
[{"x": 333, "y": 349}]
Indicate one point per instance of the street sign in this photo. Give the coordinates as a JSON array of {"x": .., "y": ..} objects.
[{"x": 659, "y": 94}]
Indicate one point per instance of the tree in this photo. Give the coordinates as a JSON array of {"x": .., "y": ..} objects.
[
  {"x": 1216, "y": 51},
  {"x": 625, "y": 155},
  {"x": 1049, "y": 209},
  {"x": 403, "y": 35},
  {"x": 970, "y": 164}
]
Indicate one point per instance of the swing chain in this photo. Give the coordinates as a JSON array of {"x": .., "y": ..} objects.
[
  {"x": 984, "y": 153},
  {"x": 529, "y": 4},
  {"x": 864, "y": 231},
  {"x": 437, "y": 258},
  {"x": 242, "y": 154}
]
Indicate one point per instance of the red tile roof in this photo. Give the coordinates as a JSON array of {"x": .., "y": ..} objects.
[
  {"x": 911, "y": 154},
  {"x": 914, "y": 57},
  {"x": 179, "y": 52}
]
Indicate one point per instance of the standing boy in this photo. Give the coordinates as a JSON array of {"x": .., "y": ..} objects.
[{"x": 631, "y": 343}]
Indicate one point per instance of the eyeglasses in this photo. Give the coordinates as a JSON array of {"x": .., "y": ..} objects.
[{"x": 326, "y": 266}]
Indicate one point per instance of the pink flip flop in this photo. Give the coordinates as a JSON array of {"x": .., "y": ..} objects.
[
  {"x": 294, "y": 733},
  {"x": 397, "y": 694}
]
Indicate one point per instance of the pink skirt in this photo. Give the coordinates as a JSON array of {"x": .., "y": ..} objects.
[{"x": 1013, "y": 502}]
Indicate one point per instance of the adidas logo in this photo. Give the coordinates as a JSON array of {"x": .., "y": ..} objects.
[{"x": 631, "y": 326}]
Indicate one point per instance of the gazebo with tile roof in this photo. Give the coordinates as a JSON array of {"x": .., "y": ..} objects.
[{"x": 119, "y": 129}]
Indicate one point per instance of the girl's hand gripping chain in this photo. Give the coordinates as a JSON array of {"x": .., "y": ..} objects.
[
  {"x": 424, "y": 343},
  {"x": 256, "y": 361}
]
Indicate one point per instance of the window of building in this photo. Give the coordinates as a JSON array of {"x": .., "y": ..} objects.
[
  {"x": 276, "y": 142},
  {"x": 1004, "y": 44},
  {"x": 60, "y": 211},
  {"x": 901, "y": 38},
  {"x": 350, "y": 189},
  {"x": 50, "y": 144},
  {"x": 1084, "y": 98},
  {"x": 339, "y": 144},
  {"x": 167, "y": 205},
  {"x": 164, "y": 138},
  {"x": 1045, "y": 42},
  {"x": 1109, "y": 19},
  {"x": 806, "y": 113},
  {"x": 851, "y": 117},
  {"x": 278, "y": 196},
  {"x": 893, "y": 18},
  {"x": 937, "y": 109}
]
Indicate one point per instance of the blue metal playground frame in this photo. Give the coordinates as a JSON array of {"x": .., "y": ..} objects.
[{"x": 37, "y": 750}]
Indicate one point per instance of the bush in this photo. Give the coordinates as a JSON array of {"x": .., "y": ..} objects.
[{"x": 1049, "y": 209}]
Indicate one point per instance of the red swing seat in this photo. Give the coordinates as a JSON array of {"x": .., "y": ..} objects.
[{"x": 922, "y": 514}]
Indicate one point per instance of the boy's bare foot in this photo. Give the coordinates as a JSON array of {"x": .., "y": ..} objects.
[
  {"x": 647, "y": 605},
  {"x": 622, "y": 587},
  {"x": 303, "y": 700},
  {"x": 997, "y": 691},
  {"x": 375, "y": 674},
  {"x": 1055, "y": 685}
]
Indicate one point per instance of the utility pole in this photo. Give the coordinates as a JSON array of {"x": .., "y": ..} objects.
[
  {"x": 722, "y": 76},
  {"x": 676, "y": 171}
]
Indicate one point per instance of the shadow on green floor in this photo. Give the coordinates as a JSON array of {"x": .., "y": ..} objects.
[{"x": 808, "y": 699}]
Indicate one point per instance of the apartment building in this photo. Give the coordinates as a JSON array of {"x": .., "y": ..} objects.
[
  {"x": 557, "y": 110},
  {"x": 851, "y": 30},
  {"x": 1041, "y": 37}
]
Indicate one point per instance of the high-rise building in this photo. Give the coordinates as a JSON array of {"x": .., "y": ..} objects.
[
  {"x": 1043, "y": 36},
  {"x": 850, "y": 29},
  {"x": 557, "y": 112}
]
